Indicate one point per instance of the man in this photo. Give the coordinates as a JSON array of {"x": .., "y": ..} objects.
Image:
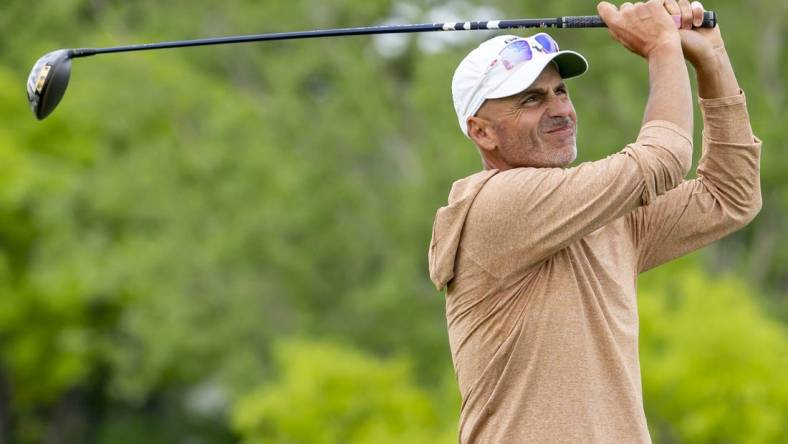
[{"x": 540, "y": 261}]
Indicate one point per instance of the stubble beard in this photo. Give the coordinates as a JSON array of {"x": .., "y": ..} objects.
[{"x": 566, "y": 152}]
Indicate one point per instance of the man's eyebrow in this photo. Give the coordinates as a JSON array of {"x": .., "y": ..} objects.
[
  {"x": 540, "y": 90},
  {"x": 534, "y": 90}
]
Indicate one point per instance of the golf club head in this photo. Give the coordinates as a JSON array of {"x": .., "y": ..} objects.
[{"x": 48, "y": 81}]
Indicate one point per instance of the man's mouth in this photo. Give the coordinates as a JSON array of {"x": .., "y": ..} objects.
[{"x": 560, "y": 129}]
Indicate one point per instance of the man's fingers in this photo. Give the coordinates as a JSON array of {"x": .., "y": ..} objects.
[
  {"x": 639, "y": 27},
  {"x": 608, "y": 12},
  {"x": 610, "y": 16},
  {"x": 673, "y": 9},
  {"x": 642, "y": 11},
  {"x": 686, "y": 14},
  {"x": 697, "y": 13},
  {"x": 658, "y": 9}
]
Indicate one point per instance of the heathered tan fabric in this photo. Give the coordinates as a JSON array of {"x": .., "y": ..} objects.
[{"x": 541, "y": 266}]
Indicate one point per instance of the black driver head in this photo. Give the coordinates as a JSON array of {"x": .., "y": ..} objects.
[{"x": 48, "y": 81}]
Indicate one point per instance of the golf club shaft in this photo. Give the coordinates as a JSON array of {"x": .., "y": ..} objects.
[{"x": 587, "y": 21}]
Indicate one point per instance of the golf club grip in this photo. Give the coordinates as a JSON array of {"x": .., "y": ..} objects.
[{"x": 595, "y": 21}]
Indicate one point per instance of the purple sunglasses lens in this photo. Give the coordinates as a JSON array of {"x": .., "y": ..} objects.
[
  {"x": 548, "y": 44},
  {"x": 516, "y": 53}
]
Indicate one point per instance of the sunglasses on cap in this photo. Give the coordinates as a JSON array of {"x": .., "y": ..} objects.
[{"x": 521, "y": 50}]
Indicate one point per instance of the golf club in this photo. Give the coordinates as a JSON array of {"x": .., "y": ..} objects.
[{"x": 50, "y": 75}]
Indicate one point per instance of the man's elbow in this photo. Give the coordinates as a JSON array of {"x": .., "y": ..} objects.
[
  {"x": 667, "y": 154},
  {"x": 680, "y": 164},
  {"x": 754, "y": 208},
  {"x": 685, "y": 158},
  {"x": 741, "y": 214}
]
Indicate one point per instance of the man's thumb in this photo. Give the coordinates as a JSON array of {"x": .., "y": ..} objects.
[{"x": 607, "y": 11}]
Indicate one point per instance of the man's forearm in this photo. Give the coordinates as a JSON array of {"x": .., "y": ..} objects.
[
  {"x": 731, "y": 153},
  {"x": 670, "y": 96},
  {"x": 716, "y": 79}
]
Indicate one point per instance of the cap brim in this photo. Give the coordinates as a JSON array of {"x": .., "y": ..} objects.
[{"x": 570, "y": 64}]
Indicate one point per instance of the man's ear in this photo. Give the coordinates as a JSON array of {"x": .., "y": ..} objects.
[{"x": 481, "y": 131}]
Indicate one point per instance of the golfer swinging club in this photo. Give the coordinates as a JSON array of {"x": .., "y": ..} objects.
[{"x": 540, "y": 261}]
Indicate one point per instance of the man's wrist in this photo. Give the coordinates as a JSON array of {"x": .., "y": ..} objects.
[
  {"x": 667, "y": 48},
  {"x": 713, "y": 61}
]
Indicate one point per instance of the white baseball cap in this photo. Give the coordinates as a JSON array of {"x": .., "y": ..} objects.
[{"x": 506, "y": 65}]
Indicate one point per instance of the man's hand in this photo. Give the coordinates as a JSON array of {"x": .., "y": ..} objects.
[
  {"x": 705, "y": 50},
  {"x": 649, "y": 31},
  {"x": 700, "y": 45},
  {"x": 642, "y": 27}
]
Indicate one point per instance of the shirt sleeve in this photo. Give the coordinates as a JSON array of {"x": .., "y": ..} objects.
[
  {"x": 725, "y": 196},
  {"x": 524, "y": 215}
]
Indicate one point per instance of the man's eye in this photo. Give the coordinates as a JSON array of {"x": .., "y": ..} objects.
[
  {"x": 530, "y": 99},
  {"x": 560, "y": 91}
]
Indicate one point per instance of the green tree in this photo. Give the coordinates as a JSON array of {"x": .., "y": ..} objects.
[
  {"x": 327, "y": 393},
  {"x": 713, "y": 363}
]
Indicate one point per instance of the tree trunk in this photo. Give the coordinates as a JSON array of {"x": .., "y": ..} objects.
[
  {"x": 5, "y": 409},
  {"x": 68, "y": 424}
]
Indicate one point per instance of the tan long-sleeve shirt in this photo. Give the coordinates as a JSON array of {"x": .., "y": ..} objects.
[{"x": 541, "y": 265}]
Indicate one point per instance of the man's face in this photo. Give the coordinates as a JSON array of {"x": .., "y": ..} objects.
[{"x": 535, "y": 128}]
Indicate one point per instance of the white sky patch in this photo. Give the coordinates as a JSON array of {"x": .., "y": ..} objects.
[
  {"x": 207, "y": 399},
  {"x": 394, "y": 45},
  {"x": 455, "y": 11}
]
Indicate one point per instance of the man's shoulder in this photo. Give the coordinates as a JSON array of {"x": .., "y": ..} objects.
[
  {"x": 470, "y": 184},
  {"x": 515, "y": 184}
]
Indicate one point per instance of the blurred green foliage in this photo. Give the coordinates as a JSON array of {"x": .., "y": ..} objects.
[
  {"x": 183, "y": 213},
  {"x": 329, "y": 394},
  {"x": 713, "y": 364}
]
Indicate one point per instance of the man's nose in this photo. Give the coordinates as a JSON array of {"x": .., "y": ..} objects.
[{"x": 559, "y": 105}]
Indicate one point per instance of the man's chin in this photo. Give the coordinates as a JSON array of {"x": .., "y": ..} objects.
[{"x": 566, "y": 156}]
